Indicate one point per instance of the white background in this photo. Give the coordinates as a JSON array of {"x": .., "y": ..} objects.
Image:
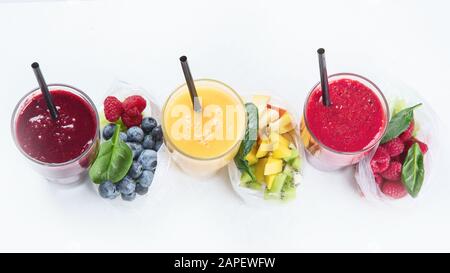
[{"x": 253, "y": 46}]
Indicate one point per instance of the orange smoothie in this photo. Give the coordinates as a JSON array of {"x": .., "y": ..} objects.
[{"x": 203, "y": 142}]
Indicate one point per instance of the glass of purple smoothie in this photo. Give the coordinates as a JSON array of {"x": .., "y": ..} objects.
[{"x": 61, "y": 150}]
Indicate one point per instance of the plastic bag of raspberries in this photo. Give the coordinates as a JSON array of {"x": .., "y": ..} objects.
[
  {"x": 132, "y": 155},
  {"x": 399, "y": 171}
]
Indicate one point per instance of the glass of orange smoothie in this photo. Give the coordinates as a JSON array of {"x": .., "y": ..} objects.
[{"x": 203, "y": 142}]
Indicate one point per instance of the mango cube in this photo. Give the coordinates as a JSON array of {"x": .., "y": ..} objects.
[
  {"x": 273, "y": 166},
  {"x": 283, "y": 124},
  {"x": 251, "y": 156},
  {"x": 264, "y": 148},
  {"x": 259, "y": 170},
  {"x": 269, "y": 180}
]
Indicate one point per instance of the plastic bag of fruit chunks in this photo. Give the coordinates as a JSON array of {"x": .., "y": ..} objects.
[
  {"x": 399, "y": 171},
  {"x": 121, "y": 90},
  {"x": 271, "y": 110}
]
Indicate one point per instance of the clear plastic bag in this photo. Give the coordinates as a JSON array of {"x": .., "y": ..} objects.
[
  {"x": 428, "y": 131},
  {"x": 254, "y": 197},
  {"x": 121, "y": 90}
]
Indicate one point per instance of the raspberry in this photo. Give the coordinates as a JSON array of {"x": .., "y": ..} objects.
[
  {"x": 394, "y": 172},
  {"x": 378, "y": 179},
  {"x": 394, "y": 147},
  {"x": 113, "y": 108},
  {"x": 394, "y": 189},
  {"x": 134, "y": 101},
  {"x": 407, "y": 134},
  {"x": 131, "y": 120},
  {"x": 380, "y": 160},
  {"x": 400, "y": 158},
  {"x": 410, "y": 142}
]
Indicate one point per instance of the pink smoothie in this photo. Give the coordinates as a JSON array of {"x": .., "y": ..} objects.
[
  {"x": 354, "y": 119},
  {"x": 61, "y": 140}
]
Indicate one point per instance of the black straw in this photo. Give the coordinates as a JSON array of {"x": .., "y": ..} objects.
[
  {"x": 44, "y": 90},
  {"x": 190, "y": 84},
  {"x": 324, "y": 77}
]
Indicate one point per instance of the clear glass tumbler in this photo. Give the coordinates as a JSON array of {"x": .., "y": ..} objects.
[
  {"x": 73, "y": 170},
  {"x": 325, "y": 158},
  {"x": 188, "y": 160}
]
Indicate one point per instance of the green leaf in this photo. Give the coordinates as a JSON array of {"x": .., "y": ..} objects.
[
  {"x": 413, "y": 172},
  {"x": 399, "y": 123},
  {"x": 251, "y": 132},
  {"x": 113, "y": 161},
  {"x": 251, "y": 135}
]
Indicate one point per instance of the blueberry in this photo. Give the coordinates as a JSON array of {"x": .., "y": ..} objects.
[
  {"x": 146, "y": 178},
  {"x": 135, "y": 134},
  {"x": 148, "y": 160},
  {"x": 135, "y": 170},
  {"x": 148, "y": 142},
  {"x": 123, "y": 136},
  {"x": 108, "y": 131},
  {"x": 107, "y": 190},
  {"x": 127, "y": 185},
  {"x": 157, "y": 133},
  {"x": 148, "y": 124},
  {"x": 129, "y": 197},
  {"x": 141, "y": 190},
  {"x": 136, "y": 148},
  {"x": 158, "y": 145}
]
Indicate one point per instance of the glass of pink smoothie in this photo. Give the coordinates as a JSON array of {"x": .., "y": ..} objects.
[
  {"x": 61, "y": 150},
  {"x": 341, "y": 134}
]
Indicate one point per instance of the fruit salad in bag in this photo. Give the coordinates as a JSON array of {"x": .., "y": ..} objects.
[{"x": 267, "y": 166}]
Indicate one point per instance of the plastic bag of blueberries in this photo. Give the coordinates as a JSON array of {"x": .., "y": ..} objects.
[
  {"x": 144, "y": 137},
  {"x": 383, "y": 186}
]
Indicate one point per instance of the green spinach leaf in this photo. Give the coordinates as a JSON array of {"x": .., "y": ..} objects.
[
  {"x": 251, "y": 135},
  {"x": 251, "y": 132},
  {"x": 399, "y": 123},
  {"x": 413, "y": 171},
  {"x": 113, "y": 161}
]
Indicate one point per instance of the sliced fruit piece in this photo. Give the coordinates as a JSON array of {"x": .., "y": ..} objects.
[
  {"x": 269, "y": 180},
  {"x": 281, "y": 146},
  {"x": 288, "y": 136},
  {"x": 264, "y": 148},
  {"x": 259, "y": 170},
  {"x": 282, "y": 125},
  {"x": 289, "y": 171},
  {"x": 251, "y": 156},
  {"x": 267, "y": 117},
  {"x": 281, "y": 152},
  {"x": 280, "y": 111},
  {"x": 276, "y": 139},
  {"x": 254, "y": 186},
  {"x": 296, "y": 164},
  {"x": 245, "y": 178},
  {"x": 277, "y": 184},
  {"x": 289, "y": 193},
  {"x": 292, "y": 156},
  {"x": 273, "y": 166}
]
